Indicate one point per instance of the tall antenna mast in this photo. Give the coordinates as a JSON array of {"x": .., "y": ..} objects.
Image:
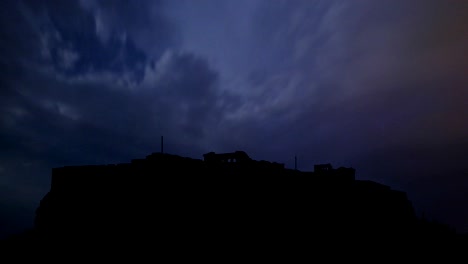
[
  {"x": 162, "y": 144},
  {"x": 295, "y": 162}
]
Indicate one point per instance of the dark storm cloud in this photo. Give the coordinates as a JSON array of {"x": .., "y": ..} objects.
[
  {"x": 177, "y": 94},
  {"x": 177, "y": 91}
]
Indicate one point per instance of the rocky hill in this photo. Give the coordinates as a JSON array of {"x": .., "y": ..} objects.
[{"x": 226, "y": 204}]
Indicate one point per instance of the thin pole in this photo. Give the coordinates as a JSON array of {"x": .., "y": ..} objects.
[
  {"x": 162, "y": 144},
  {"x": 295, "y": 162}
]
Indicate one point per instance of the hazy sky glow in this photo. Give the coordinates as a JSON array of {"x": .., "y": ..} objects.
[{"x": 381, "y": 86}]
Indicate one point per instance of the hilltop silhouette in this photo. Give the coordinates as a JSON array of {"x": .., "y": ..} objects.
[{"x": 226, "y": 204}]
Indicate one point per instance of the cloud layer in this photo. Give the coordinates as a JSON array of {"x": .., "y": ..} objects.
[{"x": 380, "y": 86}]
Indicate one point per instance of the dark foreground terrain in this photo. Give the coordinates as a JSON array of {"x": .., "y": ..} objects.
[{"x": 226, "y": 207}]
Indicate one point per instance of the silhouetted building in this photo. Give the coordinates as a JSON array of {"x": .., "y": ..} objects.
[
  {"x": 342, "y": 173},
  {"x": 238, "y": 156}
]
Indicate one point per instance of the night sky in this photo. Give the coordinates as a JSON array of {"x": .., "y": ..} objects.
[{"x": 380, "y": 86}]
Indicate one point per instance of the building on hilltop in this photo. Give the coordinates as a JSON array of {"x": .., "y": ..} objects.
[
  {"x": 240, "y": 159},
  {"x": 238, "y": 156},
  {"x": 174, "y": 198},
  {"x": 342, "y": 173}
]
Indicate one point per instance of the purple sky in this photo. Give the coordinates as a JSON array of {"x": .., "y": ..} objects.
[{"x": 381, "y": 86}]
